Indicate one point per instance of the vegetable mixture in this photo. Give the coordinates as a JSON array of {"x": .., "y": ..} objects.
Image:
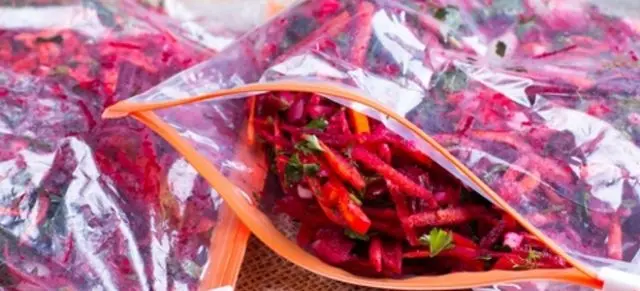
[
  {"x": 372, "y": 203},
  {"x": 538, "y": 98},
  {"x": 85, "y": 202}
]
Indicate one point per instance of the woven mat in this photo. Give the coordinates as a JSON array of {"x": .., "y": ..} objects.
[{"x": 263, "y": 270}]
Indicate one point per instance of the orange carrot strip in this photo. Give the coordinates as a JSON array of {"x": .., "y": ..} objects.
[
  {"x": 251, "y": 132},
  {"x": 362, "y": 37},
  {"x": 359, "y": 121},
  {"x": 343, "y": 169}
]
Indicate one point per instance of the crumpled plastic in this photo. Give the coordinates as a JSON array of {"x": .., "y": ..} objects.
[
  {"x": 537, "y": 98},
  {"x": 89, "y": 204}
]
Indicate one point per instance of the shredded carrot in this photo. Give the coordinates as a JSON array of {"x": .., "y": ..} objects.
[
  {"x": 359, "y": 121},
  {"x": 251, "y": 132},
  {"x": 359, "y": 55}
]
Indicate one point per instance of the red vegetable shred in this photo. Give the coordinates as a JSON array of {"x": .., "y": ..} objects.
[
  {"x": 383, "y": 233},
  {"x": 86, "y": 203}
]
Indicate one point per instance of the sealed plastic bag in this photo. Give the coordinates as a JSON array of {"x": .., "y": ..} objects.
[
  {"x": 216, "y": 24},
  {"x": 530, "y": 103},
  {"x": 88, "y": 204}
]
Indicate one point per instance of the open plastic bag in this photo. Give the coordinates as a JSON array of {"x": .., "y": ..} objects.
[
  {"x": 534, "y": 102},
  {"x": 88, "y": 204}
]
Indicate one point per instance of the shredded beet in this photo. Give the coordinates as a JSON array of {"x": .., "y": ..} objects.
[
  {"x": 375, "y": 194},
  {"x": 86, "y": 202}
]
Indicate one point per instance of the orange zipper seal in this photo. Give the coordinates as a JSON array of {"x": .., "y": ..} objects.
[{"x": 230, "y": 237}]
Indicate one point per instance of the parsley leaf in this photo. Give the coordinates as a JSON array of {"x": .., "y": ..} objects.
[
  {"x": 533, "y": 255},
  {"x": 501, "y": 48},
  {"x": 438, "y": 240},
  {"x": 309, "y": 145},
  {"x": 318, "y": 123},
  {"x": 313, "y": 142},
  {"x": 530, "y": 262},
  {"x": 354, "y": 235},
  {"x": 294, "y": 169},
  {"x": 310, "y": 169}
]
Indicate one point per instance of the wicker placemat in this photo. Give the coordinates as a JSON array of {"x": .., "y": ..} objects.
[{"x": 263, "y": 270}]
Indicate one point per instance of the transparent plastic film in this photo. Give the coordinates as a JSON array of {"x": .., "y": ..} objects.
[
  {"x": 534, "y": 99},
  {"x": 91, "y": 204}
]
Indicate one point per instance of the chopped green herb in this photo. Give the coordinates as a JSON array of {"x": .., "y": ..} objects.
[
  {"x": 355, "y": 199},
  {"x": 310, "y": 169},
  {"x": 314, "y": 143},
  {"x": 530, "y": 262},
  {"x": 534, "y": 255},
  {"x": 438, "y": 240},
  {"x": 318, "y": 123},
  {"x": 309, "y": 145},
  {"x": 358, "y": 193},
  {"x": 295, "y": 169},
  {"x": 501, "y": 48},
  {"x": 354, "y": 235}
]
